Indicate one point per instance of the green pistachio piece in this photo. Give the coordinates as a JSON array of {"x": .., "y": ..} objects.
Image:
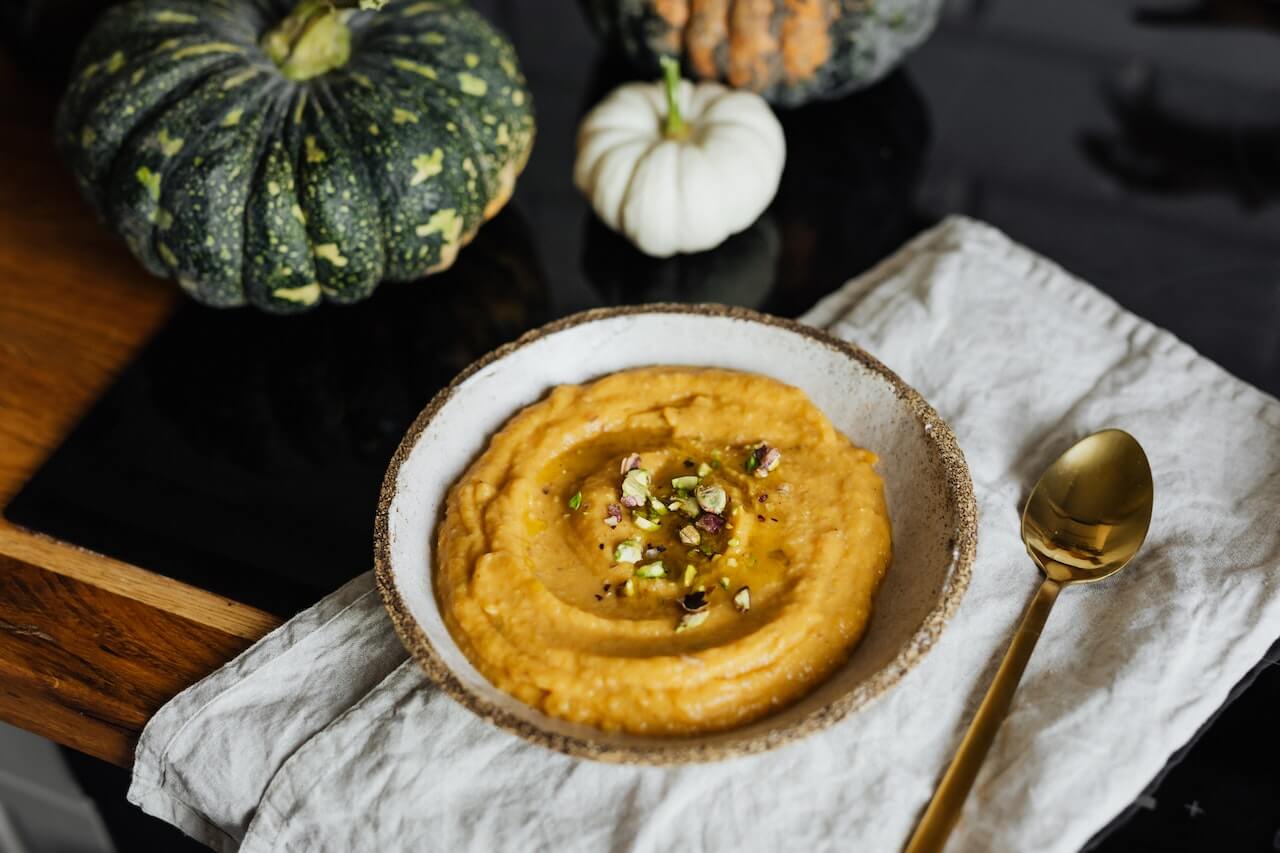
[
  {"x": 704, "y": 469},
  {"x": 689, "y": 535},
  {"x": 635, "y": 485},
  {"x": 687, "y": 483},
  {"x": 651, "y": 571},
  {"x": 711, "y": 498},
  {"x": 575, "y": 501},
  {"x": 644, "y": 523},
  {"x": 628, "y": 551}
]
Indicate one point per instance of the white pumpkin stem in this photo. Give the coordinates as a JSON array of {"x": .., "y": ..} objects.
[{"x": 675, "y": 126}]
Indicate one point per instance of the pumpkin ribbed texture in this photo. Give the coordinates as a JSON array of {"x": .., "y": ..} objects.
[
  {"x": 789, "y": 51},
  {"x": 245, "y": 186}
]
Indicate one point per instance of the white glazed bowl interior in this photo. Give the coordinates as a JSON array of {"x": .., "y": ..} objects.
[{"x": 861, "y": 400}]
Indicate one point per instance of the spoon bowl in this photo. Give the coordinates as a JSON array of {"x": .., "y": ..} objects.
[{"x": 1089, "y": 513}]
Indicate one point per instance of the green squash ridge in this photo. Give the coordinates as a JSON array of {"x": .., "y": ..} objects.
[
  {"x": 269, "y": 135},
  {"x": 126, "y": 164},
  {"x": 189, "y": 150},
  {"x": 359, "y": 276},
  {"x": 227, "y": 289},
  {"x": 72, "y": 112},
  {"x": 492, "y": 162},
  {"x": 338, "y": 116},
  {"x": 387, "y": 193}
]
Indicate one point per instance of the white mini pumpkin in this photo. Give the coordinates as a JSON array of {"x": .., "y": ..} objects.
[{"x": 677, "y": 167}]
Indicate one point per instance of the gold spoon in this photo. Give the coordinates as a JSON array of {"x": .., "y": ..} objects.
[{"x": 1084, "y": 521}]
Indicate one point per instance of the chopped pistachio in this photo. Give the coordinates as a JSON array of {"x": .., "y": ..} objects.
[
  {"x": 733, "y": 562},
  {"x": 753, "y": 459},
  {"x": 645, "y": 523},
  {"x": 653, "y": 570},
  {"x": 686, "y": 483},
  {"x": 710, "y": 522},
  {"x": 711, "y": 498},
  {"x": 765, "y": 458},
  {"x": 724, "y": 581},
  {"x": 627, "y": 551},
  {"x": 704, "y": 469},
  {"x": 629, "y": 588},
  {"x": 612, "y": 515},
  {"x": 635, "y": 485},
  {"x": 657, "y": 506},
  {"x": 575, "y": 501},
  {"x": 689, "y": 535},
  {"x": 691, "y": 620},
  {"x": 735, "y": 542},
  {"x": 689, "y": 506},
  {"x": 631, "y": 460},
  {"x": 742, "y": 599},
  {"x": 689, "y": 574},
  {"x": 673, "y": 506}
]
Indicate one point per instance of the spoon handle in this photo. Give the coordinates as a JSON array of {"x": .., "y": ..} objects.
[{"x": 944, "y": 809}]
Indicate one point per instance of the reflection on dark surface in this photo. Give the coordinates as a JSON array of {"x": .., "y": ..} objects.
[
  {"x": 740, "y": 271},
  {"x": 1157, "y": 149},
  {"x": 246, "y": 450},
  {"x": 845, "y": 201},
  {"x": 1210, "y": 13},
  {"x": 847, "y": 197}
]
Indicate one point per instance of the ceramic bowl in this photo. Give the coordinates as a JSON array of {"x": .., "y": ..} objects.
[{"x": 929, "y": 493}]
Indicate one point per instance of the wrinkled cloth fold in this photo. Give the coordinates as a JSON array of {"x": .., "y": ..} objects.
[{"x": 324, "y": 736}]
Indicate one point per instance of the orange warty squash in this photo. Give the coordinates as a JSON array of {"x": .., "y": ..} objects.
[{"x": 790, "y": 51}]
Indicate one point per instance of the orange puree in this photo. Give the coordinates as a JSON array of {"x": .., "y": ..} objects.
[{"x": 676, "y": 616}]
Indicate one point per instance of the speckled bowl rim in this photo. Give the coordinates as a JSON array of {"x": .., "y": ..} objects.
[{"x": 679, "y": 750}]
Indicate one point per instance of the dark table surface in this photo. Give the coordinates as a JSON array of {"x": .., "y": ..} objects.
[{"x": 1136, "y": 145}]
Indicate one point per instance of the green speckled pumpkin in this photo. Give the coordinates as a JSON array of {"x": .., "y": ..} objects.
[
  {"x": 281, "y": 155},
  {"x": 790, "y": 51}
]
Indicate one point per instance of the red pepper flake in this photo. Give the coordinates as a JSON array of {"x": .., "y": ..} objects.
[
  {"x": 771, "y": 518},
  {"x": 599, "y": 597},
  {"x": 758, "y": 518},
  {"x": 764, "y": 496}
]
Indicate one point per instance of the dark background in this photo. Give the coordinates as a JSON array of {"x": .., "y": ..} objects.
[{"x": 1136, "y": 144}]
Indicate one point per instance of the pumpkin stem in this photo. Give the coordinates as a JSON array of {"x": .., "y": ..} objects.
[
  {"x": 313, "y": 39},
  {"x": 675, "y": 127}
]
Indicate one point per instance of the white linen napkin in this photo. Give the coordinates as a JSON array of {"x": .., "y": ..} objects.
[{"x": 323, "y": 736}]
